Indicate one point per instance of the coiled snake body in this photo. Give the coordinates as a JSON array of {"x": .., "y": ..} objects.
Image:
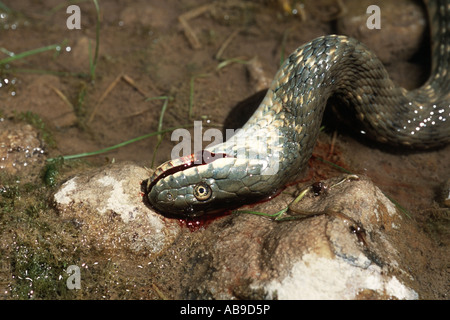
[{"x": 275, "y": 144}]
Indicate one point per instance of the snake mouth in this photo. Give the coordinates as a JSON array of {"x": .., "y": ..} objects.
[
  {"x": 199, "y": 158},
  {"x": 171, "y": 167}
]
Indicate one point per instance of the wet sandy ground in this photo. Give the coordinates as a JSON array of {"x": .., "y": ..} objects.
[{"x": 145, "y": 52}]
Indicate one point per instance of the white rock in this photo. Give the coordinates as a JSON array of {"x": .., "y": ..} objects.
[
  {"x": 316, "y": 277},
  {"x": 108, "y": 203}
]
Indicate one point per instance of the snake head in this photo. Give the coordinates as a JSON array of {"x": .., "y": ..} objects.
[{"x": 201, "y": 183}]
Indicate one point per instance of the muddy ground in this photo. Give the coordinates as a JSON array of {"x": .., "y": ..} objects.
[{"x": 146, "y": 52}]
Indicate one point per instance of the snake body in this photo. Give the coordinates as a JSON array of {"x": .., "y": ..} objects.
[{"x": 275, "y": 144}]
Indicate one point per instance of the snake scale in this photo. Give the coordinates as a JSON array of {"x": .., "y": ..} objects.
[{"x": 275, "y": 144}]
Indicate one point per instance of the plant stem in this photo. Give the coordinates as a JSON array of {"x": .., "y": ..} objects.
[
  {"x": 93, "y": 64},
  {"x": 97, "y": 152},
  {"x": 29, "y": 53}
]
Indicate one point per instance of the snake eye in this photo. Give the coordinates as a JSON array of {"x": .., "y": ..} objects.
[{"x": 202, "y": 191}]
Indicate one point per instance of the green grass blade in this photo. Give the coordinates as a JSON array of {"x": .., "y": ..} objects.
[
  {"x": 93, "y": 63},
  {"x": 28, "y": 53},
  {"x": 122, "y": 144}
]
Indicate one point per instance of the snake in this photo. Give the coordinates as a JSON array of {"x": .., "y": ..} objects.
[{"x": 274, "y": 145}]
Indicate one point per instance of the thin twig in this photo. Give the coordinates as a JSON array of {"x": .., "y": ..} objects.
[
  {"x": 227, "y": 43},
  {"x": 61, "y": 95},
  {"x": 132, "y": 83},
  {"x": 107, "y": 91},
  {"x": 190, "y": 34},
  {"x": 127, "y": 80}
]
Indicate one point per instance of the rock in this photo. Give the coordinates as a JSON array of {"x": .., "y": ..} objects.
[
  {"x": 21, "y": 150},
  {"x": 352, "y": 248},
  {"x": 107, "y": 204},
  {"x": 349, "y": 242}
]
